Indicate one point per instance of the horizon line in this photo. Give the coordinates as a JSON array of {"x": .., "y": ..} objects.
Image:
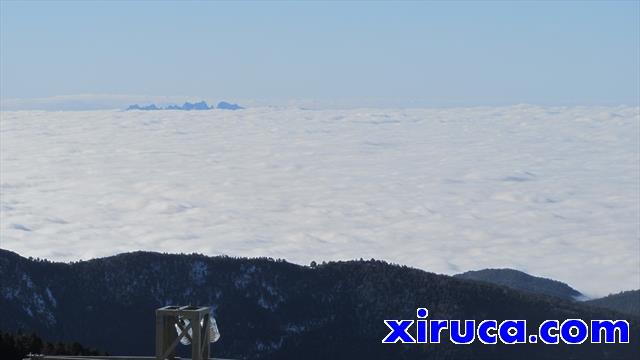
[{"x": 91, "y": 102}]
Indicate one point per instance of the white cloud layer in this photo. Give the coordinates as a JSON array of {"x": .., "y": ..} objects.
[{"x": 551, "y": 191}]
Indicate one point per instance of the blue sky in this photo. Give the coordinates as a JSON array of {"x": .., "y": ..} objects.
[{"x": 402, "y": 54}]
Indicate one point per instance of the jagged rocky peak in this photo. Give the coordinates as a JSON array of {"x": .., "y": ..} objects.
[
  {"x": 228, "y": 106},
  {"x": 143, "y": 107},
  {"x": 201, "y": 105},
  {"x": 196, "y": 106}
]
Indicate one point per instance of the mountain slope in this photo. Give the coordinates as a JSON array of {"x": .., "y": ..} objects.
[
  {"x": 271, "y": 309},
  {"x": 519, "y": 280},
  {"x": 627, "y": 302}
]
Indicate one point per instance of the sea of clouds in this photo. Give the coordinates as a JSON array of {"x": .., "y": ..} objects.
[{"x": 552, "y": 191}]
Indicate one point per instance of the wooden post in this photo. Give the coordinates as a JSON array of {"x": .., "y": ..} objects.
[
  {"x": 167, "y": 339},
  {"x": 206, "y": 328},
  {"x": 196, "y": 354}
]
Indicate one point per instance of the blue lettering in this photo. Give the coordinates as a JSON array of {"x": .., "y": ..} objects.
[
  {"x": 545, "y": 331},
  {"x": 467, "y": 337},
  {"x": 610, "y": 328},
  {"x": 483, "y": 332},
  {"x": 398, "y": 332},
  {"x": 574, "y": 337},
  {"x": 513, "y": 331}
]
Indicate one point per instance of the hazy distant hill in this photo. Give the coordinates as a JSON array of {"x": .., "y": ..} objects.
[
  {"x": 627, "y": 302},
  {"x": 271, "y": 309},
  {"x": 522, "y": 281}
]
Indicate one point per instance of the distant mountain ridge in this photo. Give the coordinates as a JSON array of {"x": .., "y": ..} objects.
[
  {"x": 522, "y": 281},
  {"x": 627, "y": 302},
  {"x": 272, "y": 309},
  {"x": 202, "y": 105}
]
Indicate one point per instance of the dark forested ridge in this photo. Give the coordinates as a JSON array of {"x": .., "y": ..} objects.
[
  {"x": 271, "y": 309},
  {"x": 524, "y": 282},
  {"x": 627, "y": 302},
  {"x": 17, "y": 346}
]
